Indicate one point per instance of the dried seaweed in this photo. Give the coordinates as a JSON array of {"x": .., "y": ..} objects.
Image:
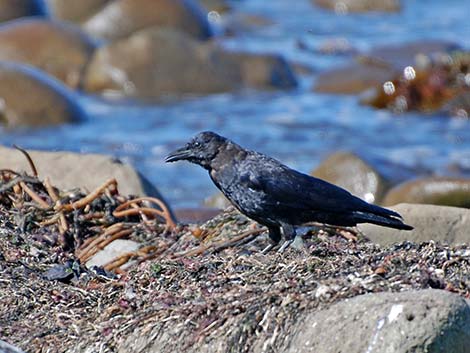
[{"x": 189, "y": 285}]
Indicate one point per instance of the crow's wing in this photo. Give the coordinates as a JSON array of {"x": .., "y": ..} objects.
[{"x": 288, "y": 188}]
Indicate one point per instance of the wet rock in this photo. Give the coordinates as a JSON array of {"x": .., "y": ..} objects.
[
  {"x": 215, "y": 5},
  {"x": 69, "y": 171},
  {"x": 74, "y": 11},
  {"x": 352, "y": 79},
  {"x": 121, "y": 18},
  {"x": 159, "y": 63},
  {"x": 349, "y": 171},
  {"x": 112, "y": 251},
  {"x": 401, "y": 55},
  {"x": 239, "y": 23},
  {"x": 428, "y": 321},
  {"x": 434, "y": 190},
  {"x": 430, "y": 222},
  {"x": 345, "y": 6},
  {"x": 11, "y": 9},
  {"x": 28, "y": 97},
  {"x": 196, "y": 215},
  {"x": 59, "y": 49},
  {"x": 380, "y": 65},
  {"x": 8, "y": 348}
]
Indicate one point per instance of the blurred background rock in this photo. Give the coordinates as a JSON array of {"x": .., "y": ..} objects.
[{"x": 373, "y": 95}]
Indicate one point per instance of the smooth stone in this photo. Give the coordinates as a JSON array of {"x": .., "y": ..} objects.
[
  {"x": 352, "y": 79},
  {"x": 74, "y": 11},
  {"x": 157, "y": 64},
  {"x": 352, "y": 173},
  {"x": 418, "y": 321},
  {"x": 345, "y": 6},
  {"x": 401, "y": 55},
  {"x": 113, "y": 250},
  {"x": 384, "y": 63},
  {"x": 59, "y": 49},
  {"x": 439, "y": 223},
  {"x": 121, "y": 18},
  {"x": 68, "y": 171},
  {"x": 31, "y": 98},
  {"x": 11, "y": 9},
  {"x": 433, "y": 190},
  {"x": 219, "y": 6}
]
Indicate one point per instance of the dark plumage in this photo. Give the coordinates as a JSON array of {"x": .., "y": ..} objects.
[{"x": 275, "y": 195}]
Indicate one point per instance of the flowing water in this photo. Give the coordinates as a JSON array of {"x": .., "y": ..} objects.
[{"x": 298, "y": 127}]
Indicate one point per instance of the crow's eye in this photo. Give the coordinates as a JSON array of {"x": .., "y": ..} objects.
[{"x": 197, "y": 144}]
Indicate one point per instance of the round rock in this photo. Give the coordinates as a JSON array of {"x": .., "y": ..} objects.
[
  {"x": 435, "y": 191},
  {"x": 430, "y": 222},
  {"x": 28, "y": 97},
  {"x": 59, "y": 49},
  {"x": 74, "y": 11},
  {"x": 10, "y": 9},
  {"x": 426, "y": 321},
  {"x": 121, "y": 18},
  {"x": 157, "y": 63},
  {"x": 349, "y": 171}
]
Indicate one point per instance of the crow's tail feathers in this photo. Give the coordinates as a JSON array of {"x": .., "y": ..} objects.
[{"x": 386, "y": 220}]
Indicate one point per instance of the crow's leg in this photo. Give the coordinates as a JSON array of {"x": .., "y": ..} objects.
[
  {"x": 289, "y": 235},
  {"x": 275, "y": 237}
]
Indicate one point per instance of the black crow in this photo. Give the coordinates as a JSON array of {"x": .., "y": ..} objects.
[{"x": 275, "y": 195}]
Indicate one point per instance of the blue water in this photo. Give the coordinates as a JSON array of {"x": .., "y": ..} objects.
[{"x": 298, "y": 127}]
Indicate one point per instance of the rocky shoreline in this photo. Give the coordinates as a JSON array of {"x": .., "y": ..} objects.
[
  {"x": 94, "y": 259},
  {"x": 209, "y": 288}
]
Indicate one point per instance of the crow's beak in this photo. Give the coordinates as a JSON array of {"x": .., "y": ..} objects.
[{"x": 179, "y": 154}]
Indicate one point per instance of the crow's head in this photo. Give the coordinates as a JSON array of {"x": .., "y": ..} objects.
[{"x": 200, "y": 150}]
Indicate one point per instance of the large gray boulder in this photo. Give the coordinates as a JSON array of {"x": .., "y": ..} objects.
[
  {"x": 439, "y": 223},
  {"x": 427, "y": 321},
  {"x": 69, "y": 170}
]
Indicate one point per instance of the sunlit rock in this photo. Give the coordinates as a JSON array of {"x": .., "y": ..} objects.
[
  {"x": 349, "y": 171},
  {"x": 343, "y": 7},
  {"x": 28, "y": 97},
  {"x": 215, "y": 5},
  {"x": 380, "y": 67},
  {"x": 352, "y": 79},
  {"x": 10, "y": 9},
  {"x": 121, "y": 18},
  {"x": 59, "y": 49},
  {"x": 443, "y": 224},
  {"x": 415, "y": 321},
  {"x": 434, "y": 190},
  {"x": 69, "y": 171},
  {"x": 158, "y": 63},
  {"x": 74, "y": 11}
]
